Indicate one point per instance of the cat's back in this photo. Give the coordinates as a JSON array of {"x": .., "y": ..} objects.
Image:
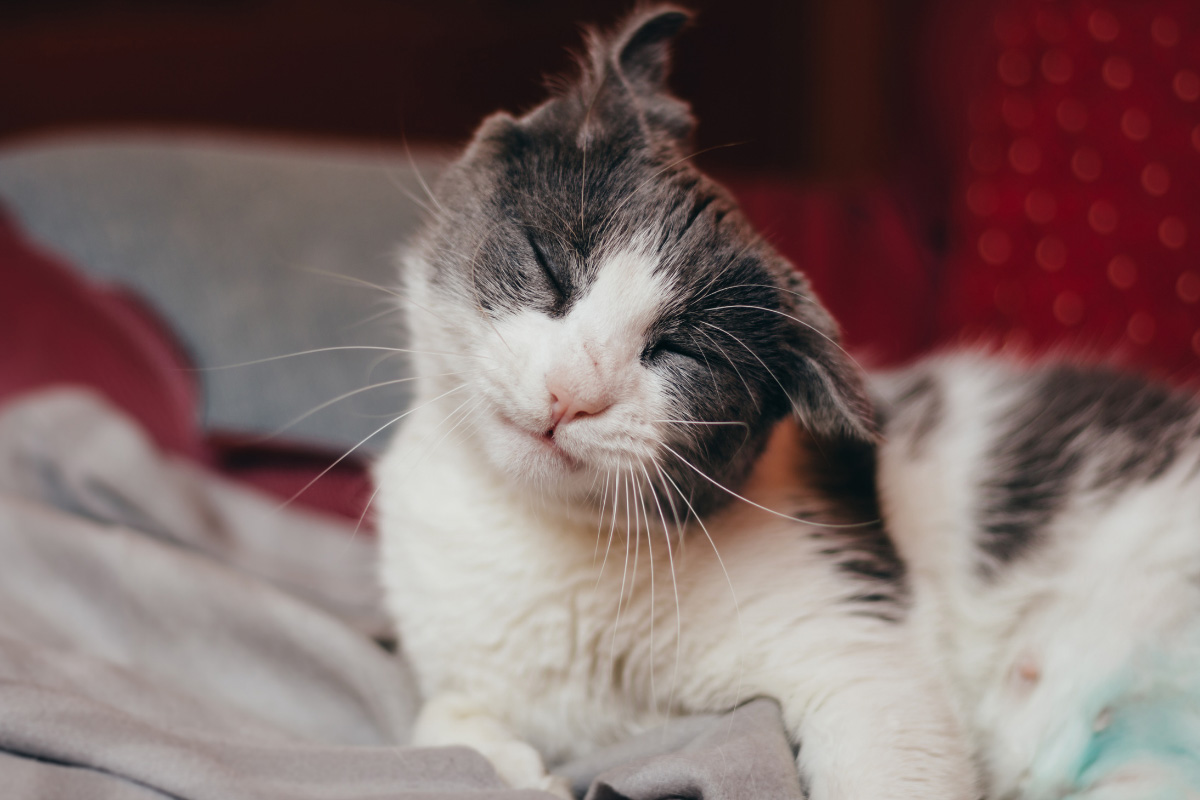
[
  {"x": 1050, "y": 515},
  {"x": 1020, "y": 455}
]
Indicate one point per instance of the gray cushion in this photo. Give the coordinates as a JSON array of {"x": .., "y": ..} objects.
[{"x": 222, "y": 235}]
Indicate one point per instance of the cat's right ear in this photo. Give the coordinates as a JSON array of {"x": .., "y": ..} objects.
[{"x": 628, "y": 69}]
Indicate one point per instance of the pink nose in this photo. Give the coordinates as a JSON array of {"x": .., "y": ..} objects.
[{"x": 567, "y": 406}]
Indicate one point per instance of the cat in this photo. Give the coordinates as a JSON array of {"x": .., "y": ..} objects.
[
  {"x": 1049, "y": 515},
  {"x": 619, "y": 496}
]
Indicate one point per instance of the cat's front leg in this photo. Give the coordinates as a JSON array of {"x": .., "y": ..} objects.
[
  {"x": 881, "y": 739},
  {"x": 451, "y": 718}
]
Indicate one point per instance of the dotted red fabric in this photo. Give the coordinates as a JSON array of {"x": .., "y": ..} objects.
[{"x": 1077, "y": 206}]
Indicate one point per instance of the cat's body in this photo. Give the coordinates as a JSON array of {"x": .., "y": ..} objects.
[
  {"x": 1050, "y": 520},
  {"x": 603, "y": 344},
  {"x": 515, "y": 611}
]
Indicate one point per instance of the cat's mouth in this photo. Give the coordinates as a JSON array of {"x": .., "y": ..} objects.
[{"x": 544, "y": 443}]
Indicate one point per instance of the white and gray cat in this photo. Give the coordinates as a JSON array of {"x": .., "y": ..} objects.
[{"x": 637, "y": 480}]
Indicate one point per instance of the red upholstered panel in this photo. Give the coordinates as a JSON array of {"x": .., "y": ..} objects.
[
  {"x": 1077, "y": 210},
  {"x": 865, "y": 264},
  {"x": 56, "y": 328}
]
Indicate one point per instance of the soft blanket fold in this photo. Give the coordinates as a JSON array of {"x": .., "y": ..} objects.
[{"x": 165, "y": 633}]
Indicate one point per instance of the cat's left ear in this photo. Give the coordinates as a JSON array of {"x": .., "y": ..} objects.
[{"x": 828, "y": 388}]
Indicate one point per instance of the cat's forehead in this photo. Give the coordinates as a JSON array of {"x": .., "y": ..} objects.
[{"x": 630, "y": 291}]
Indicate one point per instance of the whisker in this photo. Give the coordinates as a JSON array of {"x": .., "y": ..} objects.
[
  {"x": 650, "y": 553},
  {"x": 394, "y": 180},
  {"x": 815, "y": 330},
  {"x": 477, "y": 400},
  {"x": 707, "y": 363},
  {"x": 369, "y": 285},
  {"x": 370, "y": 500},
  {"x": 699, "y": 422},
  {"x": 352, "y": 279},
  {"x": 611, "y": 529},
  {"x": 475, "y": 287},
  {"x": 674, "y": 588},
  {"x": 363, "y": 441},
  {"x": 749, "y": 391},
  {"x": 737, "y": 609},
  {"x": 350, "y": 394},
  {"x": 391, "y": 309},
  {"x": 420, "y": 178},
  {"x": 779, "y": 514},
  {"x": 770, "y": 372},
  {"x": 583, "y": 128},
  {"x": 600, "y": 525},
  {"x": 612, "y": 654},
  {"x": 331, "y": 350}
]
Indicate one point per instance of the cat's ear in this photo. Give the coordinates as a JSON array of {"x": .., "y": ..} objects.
[
  {"x": 828, "y": 389},
  {"x": 641, "y": 48},
  {"x": 629, "y": 68}
]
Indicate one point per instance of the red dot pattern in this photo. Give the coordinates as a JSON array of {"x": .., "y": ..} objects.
[{"x": 1078, "y": 212}]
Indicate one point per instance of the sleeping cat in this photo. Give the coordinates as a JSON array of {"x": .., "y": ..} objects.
[
  {"x": 618, "y": 496},
  {"x": 1050, "y": 519}
]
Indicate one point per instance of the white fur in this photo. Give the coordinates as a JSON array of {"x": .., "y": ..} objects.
[
  {"x": 531, "y": 619},
  {"x": 1033, "y": 654}
]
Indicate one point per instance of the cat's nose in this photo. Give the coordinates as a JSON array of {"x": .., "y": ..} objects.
[{"x": 567, "y": 405}]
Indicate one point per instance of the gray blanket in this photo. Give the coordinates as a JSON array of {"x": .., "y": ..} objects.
[{"x": 164, "y": 633}]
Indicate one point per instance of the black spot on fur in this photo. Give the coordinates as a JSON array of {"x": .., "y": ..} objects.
[
  {"x": 843, "y": 470},
  {"x": 1076, "y": 429}
]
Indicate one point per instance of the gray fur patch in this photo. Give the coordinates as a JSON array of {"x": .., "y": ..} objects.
[{"x": 1074, "y": 430}]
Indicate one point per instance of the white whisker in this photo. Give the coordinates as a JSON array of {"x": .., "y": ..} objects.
[
  {"x": 600, "y": 524},
  {"x": 350, "y": 394},
  {"x": 612, "y": 655},
  {"x": 363, "y": 441},
  {"x": 699, "y": 422},
  {"x": 737, "y": 609},
  {"x": 770, "y": 372},
  {"x": 650, "y": 558},
  {"x": 815, "y": 330},
  {"x": 675, "y": 589},
  {"x": 369, "y": 285},
  {"x": 420, "y": 178},
  {"x": 335, "y": 349},
  {"x": 721, "y": 350},
  {"x": 748, "y": 501}
]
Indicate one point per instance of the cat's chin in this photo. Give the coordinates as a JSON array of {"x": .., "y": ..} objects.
[{"x": 536, "y": 461}]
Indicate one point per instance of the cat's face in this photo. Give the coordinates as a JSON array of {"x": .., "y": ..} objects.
[{"x": 623, "y": 320}]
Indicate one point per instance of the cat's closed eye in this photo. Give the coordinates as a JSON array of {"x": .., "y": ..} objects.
[
  {"x": 558, "y": 279},
  {"x": 670, "y": 347}
]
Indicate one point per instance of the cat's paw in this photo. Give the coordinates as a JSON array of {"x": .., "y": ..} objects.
[
  {"x": 521, "y": 768},
  {"x": 559, "y": 787}
]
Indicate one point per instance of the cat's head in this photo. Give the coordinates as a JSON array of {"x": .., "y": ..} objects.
[{"x": 613, "y": 311}]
